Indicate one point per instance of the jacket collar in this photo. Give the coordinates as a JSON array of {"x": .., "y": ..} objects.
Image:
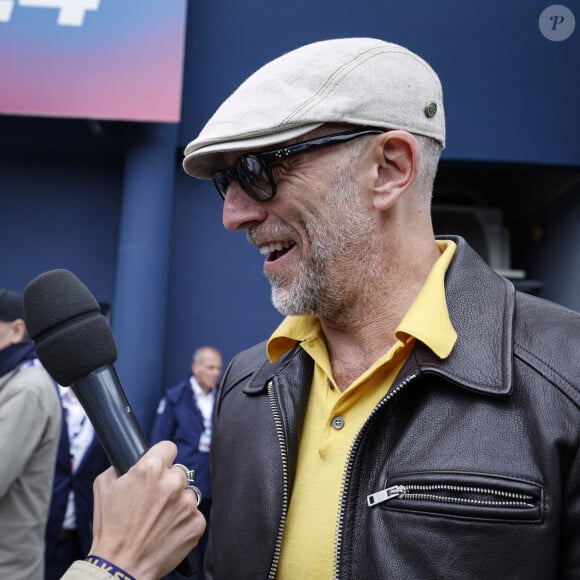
[
  {"x": 268, "y": 370},
  {"x": 481, "y": 306}
]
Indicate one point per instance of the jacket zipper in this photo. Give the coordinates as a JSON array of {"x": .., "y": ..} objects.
[
  {"x": 444, "y": 493},
  {"x": 347, "y": 472},
  {"x": 286, "y": 484}
]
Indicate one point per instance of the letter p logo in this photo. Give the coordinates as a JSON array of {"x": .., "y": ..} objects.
[{"x": 557, "y": 23}]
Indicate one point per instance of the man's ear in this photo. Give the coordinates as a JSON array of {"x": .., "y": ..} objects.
[
  {"x": 18, "y": 331},
  {"x": 396, "y": 154}
]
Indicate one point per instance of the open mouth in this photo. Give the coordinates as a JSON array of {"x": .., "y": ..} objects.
[{"x": 275, "y": 250}]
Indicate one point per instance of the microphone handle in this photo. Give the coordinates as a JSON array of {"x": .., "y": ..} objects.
[{"x": 102, "y": 397}]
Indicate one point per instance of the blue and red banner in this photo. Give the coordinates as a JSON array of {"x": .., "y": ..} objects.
[{"x": 103, "y": 59}]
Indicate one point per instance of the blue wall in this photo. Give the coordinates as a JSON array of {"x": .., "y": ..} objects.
[
  {"x": 511, "y": 94},
  {"x": 511, "y": 97},
  {"x": 60, "y": 197}
]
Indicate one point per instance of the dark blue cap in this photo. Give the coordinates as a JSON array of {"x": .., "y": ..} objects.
[{"x": 11, "y": 305}]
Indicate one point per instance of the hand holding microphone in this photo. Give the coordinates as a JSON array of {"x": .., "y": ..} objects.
[
  {"x": 75, "y": 344},
  {"x": 163, "y": 526}
]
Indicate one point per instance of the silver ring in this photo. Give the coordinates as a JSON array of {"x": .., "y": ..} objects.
[
  {"x": 197, "y": 492},
  {"x": 189, "y": 473}
]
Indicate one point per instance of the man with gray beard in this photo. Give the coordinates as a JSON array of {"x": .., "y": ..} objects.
[{"x": 413, "y": 416}]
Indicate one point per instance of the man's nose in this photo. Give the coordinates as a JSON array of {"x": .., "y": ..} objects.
[{"x": 240, "y": 211}]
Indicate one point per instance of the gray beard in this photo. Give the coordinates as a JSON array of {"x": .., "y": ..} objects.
[
  {"x": 304, "y": 295},
  {"x": 332, "y": 277}
]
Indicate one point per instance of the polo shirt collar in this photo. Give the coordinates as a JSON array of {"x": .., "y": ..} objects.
[{"x": 426, "y": 320}]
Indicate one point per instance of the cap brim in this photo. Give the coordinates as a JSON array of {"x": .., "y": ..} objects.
[{"x": 203, "y": 158}]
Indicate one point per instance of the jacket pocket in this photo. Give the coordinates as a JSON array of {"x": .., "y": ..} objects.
[{"x": 462, "y": 495}]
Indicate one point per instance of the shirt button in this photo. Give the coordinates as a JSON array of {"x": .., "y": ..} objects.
[{"x": 338, "y": 422}]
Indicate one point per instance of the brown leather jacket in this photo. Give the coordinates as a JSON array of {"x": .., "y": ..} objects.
[{"x": 469, "y": 468}]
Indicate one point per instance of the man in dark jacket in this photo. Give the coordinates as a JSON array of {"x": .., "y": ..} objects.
[
  {"x": 184, "y": 416},
  {"x": 413, "y": 416}
]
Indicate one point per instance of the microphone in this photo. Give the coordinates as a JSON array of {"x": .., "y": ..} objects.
[{"x": 75, "y": 344}]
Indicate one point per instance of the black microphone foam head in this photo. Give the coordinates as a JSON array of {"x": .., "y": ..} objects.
[{"x": 64, "y": 319}]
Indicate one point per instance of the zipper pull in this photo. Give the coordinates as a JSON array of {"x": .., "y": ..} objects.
[{"x": 385, "y": 494}]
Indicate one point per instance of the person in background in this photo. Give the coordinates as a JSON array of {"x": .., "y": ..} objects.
[
  {"x": 30, "y": 424},
  {"x": 413, "y": 416},
  {"x": 80, "y": 458},
  {"x": 184, "y": 416}
]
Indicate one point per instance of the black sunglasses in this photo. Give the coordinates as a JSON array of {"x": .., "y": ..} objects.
[{"x": 253, "y": 171}]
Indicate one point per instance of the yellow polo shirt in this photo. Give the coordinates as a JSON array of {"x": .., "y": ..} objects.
[{"x": 334, "y": 418}]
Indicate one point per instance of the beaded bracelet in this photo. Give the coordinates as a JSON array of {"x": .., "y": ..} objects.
[{"x": 109, "y": 567}]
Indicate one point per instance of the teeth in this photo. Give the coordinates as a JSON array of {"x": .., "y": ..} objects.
[{"x": 278, "y": 246}]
